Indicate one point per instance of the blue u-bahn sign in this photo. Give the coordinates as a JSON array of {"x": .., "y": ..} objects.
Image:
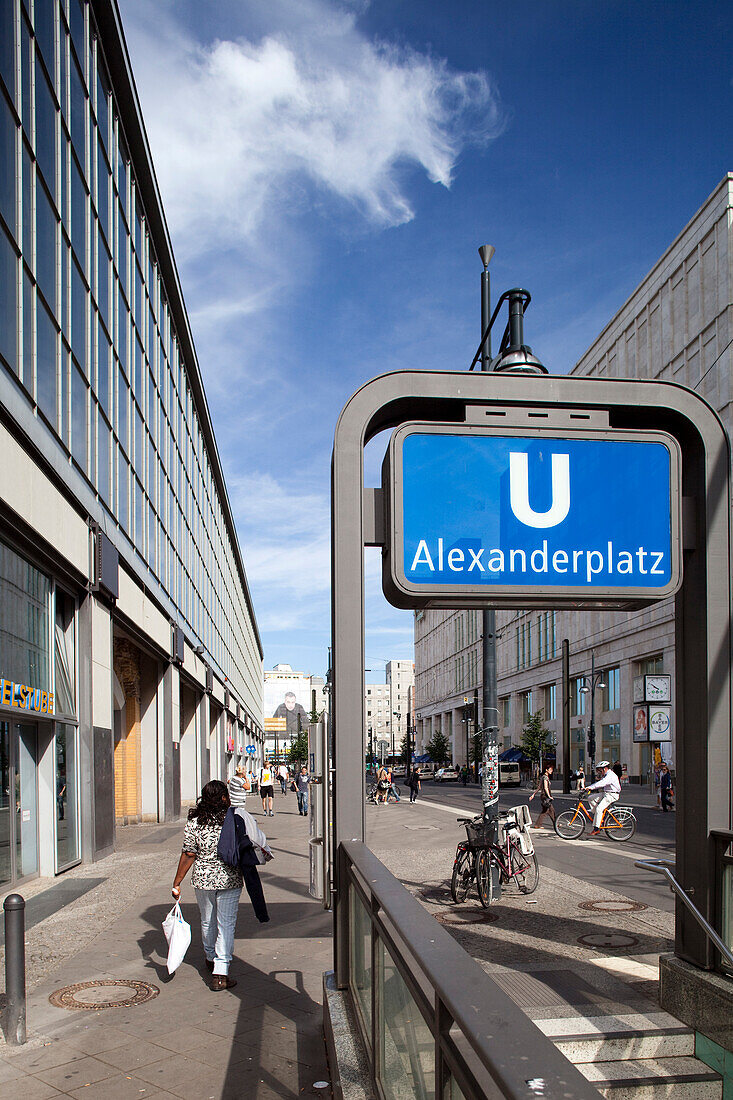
[{"x": 515, "y": 519}]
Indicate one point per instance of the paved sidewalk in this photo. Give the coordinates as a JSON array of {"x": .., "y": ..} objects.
[
  {"x": 585, "y": 944},
  {"x": 262, "y": 1039}
]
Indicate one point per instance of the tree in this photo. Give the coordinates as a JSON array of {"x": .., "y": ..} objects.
[
  {"x": 535, "y": 738},
  {"x": 405, "y": 749},
  {"x": 298, "y": 752},
  {"x": 476, "y": 752},
  {"x": 439, "y": 748}
]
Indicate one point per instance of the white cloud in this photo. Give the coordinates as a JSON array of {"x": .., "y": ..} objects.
[{"x": 237, "y": 126}]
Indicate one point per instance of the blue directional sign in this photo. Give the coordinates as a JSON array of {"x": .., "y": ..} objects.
[
  {"x": 586, "y": 518},
  {"x": 251, "y": 749}
]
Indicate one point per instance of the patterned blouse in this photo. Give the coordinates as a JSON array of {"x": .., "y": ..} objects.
[{"x": 209, "y": 873}]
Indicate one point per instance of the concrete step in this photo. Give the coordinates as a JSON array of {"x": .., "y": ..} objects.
[
  {"x": 654, "y": 1079},
  {"x": 617, "y": 1038}
]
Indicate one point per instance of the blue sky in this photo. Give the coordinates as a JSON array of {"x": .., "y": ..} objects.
[{"x": 329, "y": 170}]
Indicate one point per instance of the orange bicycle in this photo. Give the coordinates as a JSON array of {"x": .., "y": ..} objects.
[{"x": 618, "y": 822}]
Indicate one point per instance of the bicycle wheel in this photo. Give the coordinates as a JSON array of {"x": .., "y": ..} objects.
[
  {"x": 462, "y": 874},
  {"x": 570, "y": 824},
  {"x": 526, "y": 870},
  {"x": 485, "y": 862},
  {"x": 619, "y": 824}
]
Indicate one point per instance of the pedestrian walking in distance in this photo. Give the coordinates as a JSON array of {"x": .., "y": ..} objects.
[
  {"x": 391, "y": 790},
  {"x": 580, "y": 779},
  {"x": 239, "y": 784},
  {"x": 382, "y": 786},
  {"x": 300, "y": 784},
  {"x": 216, "y": 885},
  {"x": 267, "y": 789},
  {"x": 544, "y": 790},
  {"x": 665, "y": 787},
  {"x": 609, "y": 791},
  {"x": 414, "y": 784},
  {"x": 282, "y": 774}
]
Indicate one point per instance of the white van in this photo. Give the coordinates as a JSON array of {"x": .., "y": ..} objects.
[{"x": 508, "y": 774}]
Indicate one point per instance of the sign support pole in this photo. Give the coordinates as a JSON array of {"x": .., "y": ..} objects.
[{"x": 490, "y": 712}]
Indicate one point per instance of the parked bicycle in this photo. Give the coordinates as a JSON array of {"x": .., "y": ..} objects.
[
  {"x": 489, "y": 864},
  {"x": 618, "y": 822}
]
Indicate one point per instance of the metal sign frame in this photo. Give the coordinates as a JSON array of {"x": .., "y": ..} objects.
[
  {"x": 703, "y": 603},
  {"x": 401, "y": 592}
]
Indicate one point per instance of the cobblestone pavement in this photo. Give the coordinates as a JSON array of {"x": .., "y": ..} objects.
[{"x": 262, "y": 1039}]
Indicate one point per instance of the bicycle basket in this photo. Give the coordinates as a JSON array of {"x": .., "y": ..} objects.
[{"x": 478, "y": 834}]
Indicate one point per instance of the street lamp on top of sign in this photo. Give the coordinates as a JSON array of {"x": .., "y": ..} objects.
[
  {"x": 398, "y": 715},
  {"x": 595, "y": 680}
]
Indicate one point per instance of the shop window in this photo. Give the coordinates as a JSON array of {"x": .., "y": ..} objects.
[
  {"x": 611, "y": 742},
  {"x": 550, "y": 710},
  {"x": 25, "y": 595},
  {"x": 577, "y": 697},
  {"x": 649, "y": 665},
  {"x": 612, "y": 690},
  {"x": 64, "y": 654},
  {"x": 523, "y": 636}
]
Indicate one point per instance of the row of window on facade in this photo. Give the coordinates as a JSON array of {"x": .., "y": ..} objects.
[
  {"x": 543, "y": 630},
  {"x": 544, "y": 699},
  {"x": 84, "y": 323}
]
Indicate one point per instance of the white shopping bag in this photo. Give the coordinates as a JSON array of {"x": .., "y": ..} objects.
[{"x": 178, "y": 934}]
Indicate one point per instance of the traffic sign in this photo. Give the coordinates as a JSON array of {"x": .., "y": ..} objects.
[
  {"x": 251, "y": 749},
  {"x": 567, "y": 518}
]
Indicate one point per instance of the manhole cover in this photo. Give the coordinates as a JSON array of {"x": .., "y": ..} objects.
[
  {"x": 612, "y": 939},
  {"x": 104, "y": 993},
  {"x": 421, "y": 828},
  {"x": 468, "y": 918},
  {"x": 613, "y": 905}
]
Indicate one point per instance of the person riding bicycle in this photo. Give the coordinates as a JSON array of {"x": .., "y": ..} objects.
[{"x": 609, "y": 790}]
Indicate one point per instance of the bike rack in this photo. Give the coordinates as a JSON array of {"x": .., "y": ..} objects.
[{"x": 662, "y": 867}]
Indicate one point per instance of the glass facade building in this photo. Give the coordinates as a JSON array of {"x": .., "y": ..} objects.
[{"x": 98, "y": 374}]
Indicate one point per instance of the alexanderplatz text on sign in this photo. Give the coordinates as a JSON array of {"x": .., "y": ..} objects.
[
  {"x": 576, "y": 519},
  {"x": 523, "y": 491}
]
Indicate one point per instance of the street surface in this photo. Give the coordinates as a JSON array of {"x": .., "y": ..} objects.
[{"x": 598, "y": 861}]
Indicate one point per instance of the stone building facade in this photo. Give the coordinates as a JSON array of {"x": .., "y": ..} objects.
[{"x": 676, "y": 326}]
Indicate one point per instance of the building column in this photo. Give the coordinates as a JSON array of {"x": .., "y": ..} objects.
[
  {"x": 102, "y": 745},
  {"x": 204, "y": 733},
  {"x": 171, "y": 737}
]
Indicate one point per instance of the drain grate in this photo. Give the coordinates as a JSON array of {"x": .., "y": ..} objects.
[
  {"x": 613, "y": 905},
  {"x": 546, "y": 988},
  {"x": 103, "y": 993}
]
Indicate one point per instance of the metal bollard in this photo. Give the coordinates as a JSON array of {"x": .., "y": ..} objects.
[{"x": 14, "y": 906}]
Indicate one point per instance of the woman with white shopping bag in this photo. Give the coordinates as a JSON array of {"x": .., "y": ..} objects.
[{"x": 217, "y": 885}]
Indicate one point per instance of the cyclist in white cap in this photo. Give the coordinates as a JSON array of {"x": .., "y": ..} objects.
[{"x": 609, "y": 791}]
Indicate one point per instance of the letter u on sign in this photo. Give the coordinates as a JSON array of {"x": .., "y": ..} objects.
[{"x": 519, "y": 491}]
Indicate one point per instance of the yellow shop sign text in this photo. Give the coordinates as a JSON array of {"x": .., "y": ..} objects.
[{"x": 23, "y": 697}]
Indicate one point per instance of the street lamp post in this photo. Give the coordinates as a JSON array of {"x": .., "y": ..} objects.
[
  {"x": 371, "y": 751},
  {"x": 595, "y": 680},
  {"x": 395, "y": 714}
]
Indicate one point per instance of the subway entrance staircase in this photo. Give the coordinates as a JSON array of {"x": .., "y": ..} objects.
[{"x": 635, "y": 1056}]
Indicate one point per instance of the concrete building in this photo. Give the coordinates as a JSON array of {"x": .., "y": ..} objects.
[
  {"x": 388, "y": 706},
  {"x": 130, "y": 662},
  {"x": 676, "y": 326}
]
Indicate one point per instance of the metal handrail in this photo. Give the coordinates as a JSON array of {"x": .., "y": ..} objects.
[
  {"x": 662, "y": 867},
  {"x": 517, "y": 1059}
]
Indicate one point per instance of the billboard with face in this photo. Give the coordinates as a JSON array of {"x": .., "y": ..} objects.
[{"x": 288, "y": 699}]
